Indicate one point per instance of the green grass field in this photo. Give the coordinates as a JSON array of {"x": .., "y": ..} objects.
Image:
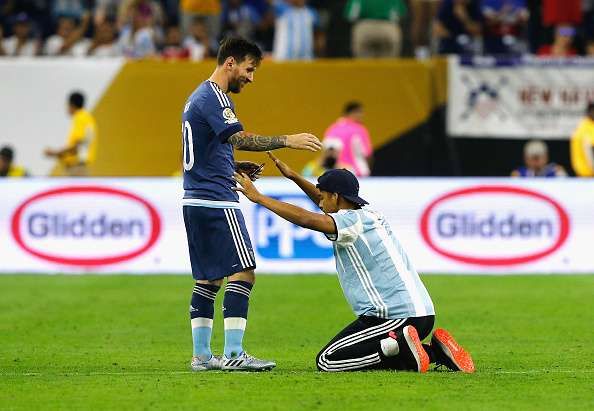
[{"x": 123, "y": 342}]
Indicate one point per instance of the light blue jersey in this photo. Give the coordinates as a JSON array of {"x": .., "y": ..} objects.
[{"x": 375, "y": 273}]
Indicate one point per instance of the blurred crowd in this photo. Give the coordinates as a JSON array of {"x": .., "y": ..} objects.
[
  {"x": 346, "y": 144},
  {"x": 296, "y": 29}
]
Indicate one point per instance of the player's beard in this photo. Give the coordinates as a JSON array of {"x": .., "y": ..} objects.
[{"x": 234, "y": 86}]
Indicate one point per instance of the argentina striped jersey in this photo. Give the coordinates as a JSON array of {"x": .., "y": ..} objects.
[{"x": 375, "y": 273}]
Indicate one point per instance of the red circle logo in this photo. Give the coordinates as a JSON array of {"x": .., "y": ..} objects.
[
  {"x": 561, "y": 226},
  {"x": 88, "y": 198}
]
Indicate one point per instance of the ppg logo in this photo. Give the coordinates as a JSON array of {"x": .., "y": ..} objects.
[{"x": 277, "y": 238}]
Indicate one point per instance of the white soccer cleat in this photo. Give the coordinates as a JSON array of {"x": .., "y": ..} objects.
[
  {"x": 246, "y": 362},
  {"x": 197, "y": 364}
]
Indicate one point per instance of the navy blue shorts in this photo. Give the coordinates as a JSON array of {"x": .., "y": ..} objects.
[{"x": 218, "y": 242}]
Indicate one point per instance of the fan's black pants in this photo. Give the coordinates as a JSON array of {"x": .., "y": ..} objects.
[{"x": 357, "y": 347}]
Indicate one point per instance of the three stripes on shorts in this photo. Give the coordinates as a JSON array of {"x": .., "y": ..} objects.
[{"x": 245, "y": 257}]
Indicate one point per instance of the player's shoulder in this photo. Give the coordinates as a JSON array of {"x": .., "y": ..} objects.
[
  {"x": 369, "y": 214},
  {"x": 216, "y": 95},
  {"x": 209, "y": 95},
  {"x": 348, "y": 216}
]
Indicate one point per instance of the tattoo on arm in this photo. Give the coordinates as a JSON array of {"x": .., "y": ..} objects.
[{"x": 253, "y": 142}]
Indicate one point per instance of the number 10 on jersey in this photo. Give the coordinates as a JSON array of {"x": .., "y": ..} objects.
[{"x": 188, "y": 145}]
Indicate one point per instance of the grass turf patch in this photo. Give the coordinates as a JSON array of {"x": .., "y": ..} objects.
[{"x": 113, "y": 342}]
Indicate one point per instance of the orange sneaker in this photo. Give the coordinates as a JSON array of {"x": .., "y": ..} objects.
[
  {"x": 450, "y": 353},
  {"x": 420, "y": 358}
]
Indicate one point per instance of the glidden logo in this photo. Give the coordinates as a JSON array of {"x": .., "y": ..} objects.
[
  {"x": 494, "y": 225},
  {"x": 86, "y": 225}
]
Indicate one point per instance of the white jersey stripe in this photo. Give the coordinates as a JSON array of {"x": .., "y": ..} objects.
[
  {"x": 217, "y": 94},
  {"x": 221, "y": 94},
  {"x": 365, "y": 286},
  {"x": 226, "y": 98},
  {"x": 223, "y": 97},
  {"x": 367, "y": 275},
  {"x": 365, "y": 282},
  {"x": 239, "y": 253},
  {"x": 405, "y": 274}
]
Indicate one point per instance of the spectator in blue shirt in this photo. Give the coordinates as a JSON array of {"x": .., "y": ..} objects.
[{"x": 295, "y": 31}]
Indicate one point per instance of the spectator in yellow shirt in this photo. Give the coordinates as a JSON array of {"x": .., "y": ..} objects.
[
  {"x": 582, "y": 145},
  {"x": 7, "y": 167},
  {"x": 81, "y": 147}
]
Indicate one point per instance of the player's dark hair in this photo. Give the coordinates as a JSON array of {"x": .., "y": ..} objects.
[
  {"x": 77, "y": 99},
  {"x": 238, "y": 48},
  {"x": 352, "y": 106},
  {"x": 590, "y": 107},
  {"x": 7, "y": 153}
]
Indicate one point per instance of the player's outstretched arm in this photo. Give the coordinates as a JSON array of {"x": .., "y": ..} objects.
[
  {"x": 242, "y": 140},
  {"x": 308, "y": 188},
  {"x": 296, "y": 215}
]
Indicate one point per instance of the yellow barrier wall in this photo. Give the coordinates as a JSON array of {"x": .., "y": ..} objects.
[{"x": 139, "y": 116}]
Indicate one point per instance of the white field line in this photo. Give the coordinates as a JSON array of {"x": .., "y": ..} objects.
[{"x": 156, "y": 372}]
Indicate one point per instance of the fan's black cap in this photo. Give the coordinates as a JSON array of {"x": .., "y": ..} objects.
[{"x": 343, "y": 182}]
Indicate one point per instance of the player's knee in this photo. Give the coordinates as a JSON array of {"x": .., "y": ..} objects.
[{"x": 247, "y": 276}]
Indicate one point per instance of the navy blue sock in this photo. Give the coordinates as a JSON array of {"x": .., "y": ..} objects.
[
  {"x": 201, "y": 315},
  {"x": 235, "y": 310}
]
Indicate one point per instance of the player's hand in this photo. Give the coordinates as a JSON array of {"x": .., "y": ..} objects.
[
  {"x": 282, "y": 167},
  {"x": 246, "y": 187},
  {"x": 49, "y": 152},
  {"x": 304, "y": 141},
  {"x": 249, "y": 168}
]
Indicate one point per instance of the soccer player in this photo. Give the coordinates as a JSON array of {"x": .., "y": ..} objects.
[
  {"x": 218, "y": 241},
  {"x": 81, "y": 147},
  {"x": 395, "y": 312}
]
